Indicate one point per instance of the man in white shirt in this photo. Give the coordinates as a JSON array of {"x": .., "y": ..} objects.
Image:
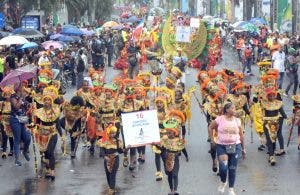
[{"x": 278, "y": 60}]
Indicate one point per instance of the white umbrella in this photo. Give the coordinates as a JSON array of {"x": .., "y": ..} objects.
[
  {"x": 13, "y": 40},
  {"x": 235, "y": 25}
]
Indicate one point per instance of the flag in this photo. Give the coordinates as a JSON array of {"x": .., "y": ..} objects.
[{"x": 137, "y": 32}]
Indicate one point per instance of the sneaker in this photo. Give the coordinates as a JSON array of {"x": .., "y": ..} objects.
[
  {"x": 231, "y": 191},
  {"x": 215, "y": 166},
  {"x": 221, "y": 187},
  {"x": 261, "y": 147},
  {"x": 26, "y": 155},
  {"x": 158, "y": 176},
  {"x": 4, "y": 155},
  {"x": 18, "y": 163},
  {"x": 272, "y": 160},
  {"x": 285, "y": 94}
]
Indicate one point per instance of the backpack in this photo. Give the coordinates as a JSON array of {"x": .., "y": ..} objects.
[
  {"x": 248, "y": 53},
  {"x": 80, "y": 65}
]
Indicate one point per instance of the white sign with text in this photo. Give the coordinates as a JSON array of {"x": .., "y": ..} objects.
[{"x": 140, "y": 128}]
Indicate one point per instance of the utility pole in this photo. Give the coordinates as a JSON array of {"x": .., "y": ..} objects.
[
  {"x": 295, "y": 15},
  {"x": 222, "y": 8},
  {"x": 245, "y": 10}
]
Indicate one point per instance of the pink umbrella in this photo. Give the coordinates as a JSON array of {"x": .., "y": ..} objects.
[
  {"x": 19, "y": 75},
  {"x": 55, "y": 44}
]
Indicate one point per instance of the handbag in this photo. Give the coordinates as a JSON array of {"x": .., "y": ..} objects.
[
  {"x": 23, "y": 119},
  {"x": 230, "y": 149}
]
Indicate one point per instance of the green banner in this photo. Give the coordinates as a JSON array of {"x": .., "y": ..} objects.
[{"x": 284, "y": 15}]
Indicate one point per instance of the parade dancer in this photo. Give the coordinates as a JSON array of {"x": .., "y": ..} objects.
[
  {"x": 272, "y": 109},
  {"x": 72, "y": 121},
  {"x": 173, "y": 145},
  {"x": 296, "y": 118},
  {"x": 5, "y": 111},
  {"x": 256, "y": 117},
  {"x": 240, "y": 102},
  {"x": 47, "y": 126},
  {"x": 161, "y": 106},
  {"x": 141, "y": 97},
  {"x": 213, "y": 107},
  {"x": 108, "y": 109},
  {"x": 181, "y": 104},
  {"x": 112, "y": 148},
  {"x": 127, "y": 105}
]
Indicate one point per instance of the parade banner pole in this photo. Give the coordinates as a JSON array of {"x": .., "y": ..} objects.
[
  {"x": 199, "y": 104},
  {"x": 34, "y": 150},
  {"x": 291, "y": 131}
]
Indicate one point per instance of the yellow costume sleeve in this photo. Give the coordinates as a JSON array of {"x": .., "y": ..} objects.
[{"x": 256, "y": 114}]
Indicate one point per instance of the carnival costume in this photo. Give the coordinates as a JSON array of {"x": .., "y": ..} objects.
[
  {"x": 73, "y": 121},
  {"x": 272, "y": 111},
  {"x": 47, "y": 127},
  {"x": 127, "y": 105},
  {"x": 5, "y": 111},
  {"x": 173, "y": 146},
  {"x": 296, "y": 118},
  {"x": 157, "y": 148},
  {"x": 112, "y": 148}
]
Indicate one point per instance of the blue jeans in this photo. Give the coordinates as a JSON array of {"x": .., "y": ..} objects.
[
  {"x": 280, "y": 80},
  {"x": 20, "y": 133},
  {"x": 229, "y": 166}
]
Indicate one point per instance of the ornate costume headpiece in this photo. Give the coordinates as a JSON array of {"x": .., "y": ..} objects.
[
  {"x": 8, "y": 90},
  {"x": 50, "y": 92},
  {"x": 45, "y": 76}
]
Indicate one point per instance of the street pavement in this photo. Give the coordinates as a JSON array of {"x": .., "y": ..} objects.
[{"x": 85, "y": 174}]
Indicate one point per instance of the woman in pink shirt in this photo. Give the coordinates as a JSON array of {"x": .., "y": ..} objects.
[{"x": 229, "y": 144}]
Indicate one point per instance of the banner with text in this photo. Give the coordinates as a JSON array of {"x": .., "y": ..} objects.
[{"x": 140, "y": 128}]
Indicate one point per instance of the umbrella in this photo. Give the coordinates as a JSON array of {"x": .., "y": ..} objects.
[
  {"x": 66, "y": 39},
  {"x": 207, "y": 17},
  {"x": 69, "y": 26},
  {"x": 71, "y": 30},
  {"x": 247, "y": 26},
  {"x": 87, "y": 32},
  {"x": 157, "y": 11},
  {"x": 119, "y": 27},
  {"x": 55, "y": 44},
  {"x": 19, "y": 75},
  {"x": 13, "y": 40},
  {"x": 28, "y": 33},
  {"x": 124, "y": 15},
  {"x": 55, "y": 36},
  {"x": 28, "y": 45},
  {"x": 76, "y": 38},
  {"x": 237, "y": 24},
  {"x": 3, "y": 34},
  {"x": 132, "y": 19},
  {"x": 258, "y": 21},
  {"x": 110, "y": 24}
]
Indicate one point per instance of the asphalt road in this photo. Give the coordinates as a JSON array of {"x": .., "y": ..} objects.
[{"x": 85, "y": 174}]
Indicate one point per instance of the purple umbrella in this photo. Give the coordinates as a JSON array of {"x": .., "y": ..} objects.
[{"x": 19, "y": 75}]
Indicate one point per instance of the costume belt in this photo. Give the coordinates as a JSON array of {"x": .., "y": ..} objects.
[
  {"x": 271, "y": 118},
  {"x": 47, "y": 130}
]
